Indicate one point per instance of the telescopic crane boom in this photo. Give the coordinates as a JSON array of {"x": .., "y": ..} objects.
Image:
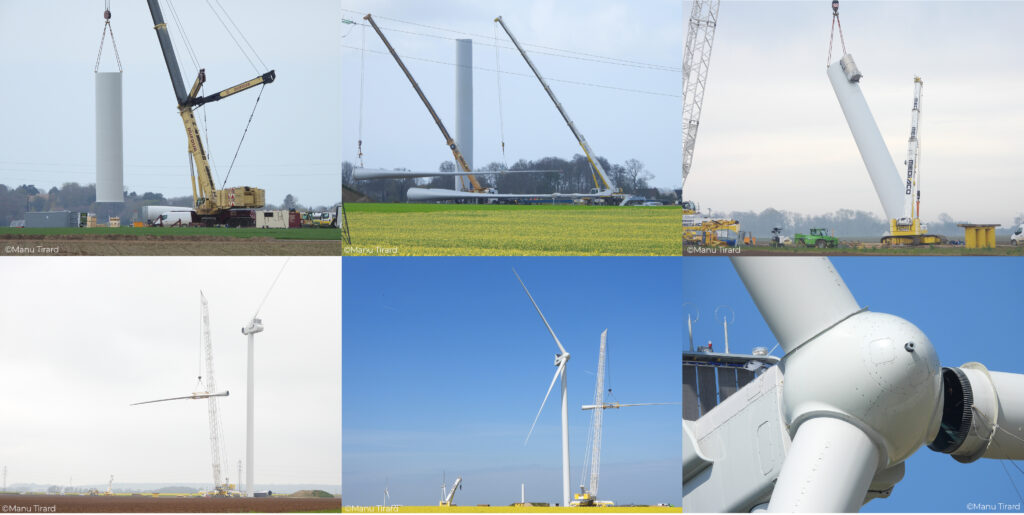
[
  {"x": 606, "y": 186},
  {"x": 211, "y": 204},
  {"x": 440, "y": 125}
]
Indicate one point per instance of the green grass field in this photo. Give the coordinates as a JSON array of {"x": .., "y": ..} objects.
[
  {"x": 277, "y": 234},
  {"x": 509, "y": 509},
  {"x": 497, "y": 230}
]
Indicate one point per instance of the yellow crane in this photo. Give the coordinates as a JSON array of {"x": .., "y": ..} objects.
[
  {"x": 477, "y": 188},
  {"x": 228, "y": 206}
]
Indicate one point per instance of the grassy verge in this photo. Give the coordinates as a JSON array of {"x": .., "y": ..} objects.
[{"x": 115, "y": 232}]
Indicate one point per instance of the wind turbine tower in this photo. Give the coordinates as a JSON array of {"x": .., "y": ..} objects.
[
  {"x": 561, "y": 360},
  {"x": 255, "y": 326}
]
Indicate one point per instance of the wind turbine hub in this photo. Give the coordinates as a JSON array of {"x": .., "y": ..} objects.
[{"x": 855, "y": 372}]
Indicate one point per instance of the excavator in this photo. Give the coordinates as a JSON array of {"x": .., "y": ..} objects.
[{"x": 228, "y": 206}]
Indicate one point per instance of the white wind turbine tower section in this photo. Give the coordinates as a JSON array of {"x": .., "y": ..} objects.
[
  {"x": 861, "y": 393},
  {"x": 561, "y": 359},
  {"x": 254, "y": 326}
]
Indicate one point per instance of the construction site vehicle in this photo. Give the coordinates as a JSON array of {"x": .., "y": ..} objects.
[
  {"x": 1017, "y": 238},
  {"x": 319, "y": 219},
  {"x": 229, "y": 206},
  {"x": 779, "y": 239},
  {"x": 819, "y": 237},
  {"x": 712, "y": 233}
]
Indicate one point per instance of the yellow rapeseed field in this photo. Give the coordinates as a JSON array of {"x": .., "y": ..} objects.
[
  {"x": 486, "y": 230},
  {"x": 509, "y": 509}
]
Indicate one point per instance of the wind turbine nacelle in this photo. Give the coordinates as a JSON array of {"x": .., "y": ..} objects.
[
  {"x": 876, "y": 371},
  {"x": 254, "y": 326}
]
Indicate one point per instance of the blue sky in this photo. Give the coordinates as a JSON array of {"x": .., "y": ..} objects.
[
  {"x": 968, "y": 307},
  {"x": 397, "y": 131},
  {"x": 446, "y": 363}
]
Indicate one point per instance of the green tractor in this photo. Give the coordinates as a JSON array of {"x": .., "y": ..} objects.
[{"x": 819, "y": 238}]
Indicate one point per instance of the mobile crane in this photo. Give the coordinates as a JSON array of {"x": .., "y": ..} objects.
[
  {"x": 448, "y": 496},
  {"x": 228, "y": 206},
  {"x": 476, "y": 187},
  {"x": 603, "y": 185}
]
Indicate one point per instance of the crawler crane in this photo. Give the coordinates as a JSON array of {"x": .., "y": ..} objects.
[{"x": 228, "y": 206}]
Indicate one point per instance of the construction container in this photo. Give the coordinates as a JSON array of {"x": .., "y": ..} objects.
[
  {"x": 138, "y": 224},
  {"x": 294, "y": 219},
  {"x": 114, "y": 221},
  {"x": 277, "y": 219},
  {"x": 51, "y": 219}
]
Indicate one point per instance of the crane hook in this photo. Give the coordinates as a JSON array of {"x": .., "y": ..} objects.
[{"x": 835, "y": 7}]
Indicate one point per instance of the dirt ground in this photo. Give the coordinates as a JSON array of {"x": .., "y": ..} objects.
[
  {"x": 121, "y": 245},
  {"x": 164, "y": 504}
]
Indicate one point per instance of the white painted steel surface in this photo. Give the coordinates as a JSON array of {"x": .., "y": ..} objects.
[
  {"x": 464, "y": 106},
  {"x": 828, "y": 469},
  {"x": 254, "y": 326},
  {"x": 884, "y": 176},
  {"x": 109, "y": 138},
  {"x": 796, "y": 314}
]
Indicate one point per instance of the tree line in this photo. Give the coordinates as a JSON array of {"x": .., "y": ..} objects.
[
  {"x": 845, "y": 222},
  {"x": 567, "y": 176}
]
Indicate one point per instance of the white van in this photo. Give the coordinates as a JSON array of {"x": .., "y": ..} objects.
[{"x": 1017, "y": 238}]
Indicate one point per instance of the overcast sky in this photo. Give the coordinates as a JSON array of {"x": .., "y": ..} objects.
[
  {"x": 772, "y": 133},
  {"x": 398, "y": 132},
  {"x": 82, "y": 338},
  {"x": 292, "y": 145}
]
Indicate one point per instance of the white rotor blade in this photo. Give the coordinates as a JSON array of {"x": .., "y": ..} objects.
[
  {"x": 1008, "y": 440},
  {"x": 828, "y": 469},
  {"x": 558, "y": 372},
  {"x": 798, "y": 297},
  {"x": 618, "y": 405},
  {"x": 202, "y": 395},
  {"x": 550, "y": 330},
  {"x": 992, "y": 407}
]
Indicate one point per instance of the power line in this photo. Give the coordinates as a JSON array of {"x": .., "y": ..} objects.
[
  {"x": 565, "y": 81},
  {"x": 562, "y": 52}
]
